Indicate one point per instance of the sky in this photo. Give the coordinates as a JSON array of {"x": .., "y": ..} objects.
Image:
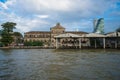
[{"x": 41, "y": 15}]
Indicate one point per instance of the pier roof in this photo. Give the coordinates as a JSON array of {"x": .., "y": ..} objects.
[{"x": 94, "y": 35}]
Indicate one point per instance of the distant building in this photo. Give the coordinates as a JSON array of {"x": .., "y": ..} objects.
[
  {"x": 99, "y": 26},
  {"x": 113, "y": 34},
  {"x": 113, "y": 39},
  {"x": 48, "y": 37},
  {"x": 95, "y": 24}
]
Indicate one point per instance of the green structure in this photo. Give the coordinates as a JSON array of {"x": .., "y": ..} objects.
[{"x": 99, "y": 26}]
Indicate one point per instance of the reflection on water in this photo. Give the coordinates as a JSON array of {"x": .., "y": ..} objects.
[{"x": 50, "y": 64}]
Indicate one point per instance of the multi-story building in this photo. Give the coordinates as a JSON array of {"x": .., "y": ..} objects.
[
  {"x": 99, "y": 26},
  {"x": 113, "y": 34},
  {"x": 48, "y": 37}
]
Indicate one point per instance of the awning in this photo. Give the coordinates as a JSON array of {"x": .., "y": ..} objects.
[{"x": 94, "y": 35}]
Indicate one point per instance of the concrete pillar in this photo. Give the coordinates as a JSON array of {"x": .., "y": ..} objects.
[
  {"x": 56, "y": 43},
  {"x": 95, "y": 44},
  {"x": 75, "y": 43},
  {"x": 104, "y": 42},
  {"x": 89, "y": 43},
  {"x": 80, "y": 43},
  {"x": 116, "y": 43}
]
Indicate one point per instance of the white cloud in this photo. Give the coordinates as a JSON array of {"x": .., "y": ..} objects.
[
  {"x": 35, "y": 14},
  {"x": 23, "y": 24},
  {"x": 5, "y": 6},
  {"x": 46, "y": 4},
  {"x": 60, "y": 5},
  {"x": 42, "y": 16},
  {"x": 2, "y": 5},
  {"x": 83, "y": 8},
  {"x": 10, "y": 2}
]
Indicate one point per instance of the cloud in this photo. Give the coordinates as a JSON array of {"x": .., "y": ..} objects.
[
  {"x": 38, "y": 5},
  {"x": 23, "y": 24},
  {"x": 2, "y": 5},
  {"x": 42, "y": 14},
  {"x": 5, "y": 5},
  {"x": 84, "y": 8}
]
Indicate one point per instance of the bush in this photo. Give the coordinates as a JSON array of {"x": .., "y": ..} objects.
[
  {"x": 33, "y": 43},
  {"x": 1, "y": 45}
]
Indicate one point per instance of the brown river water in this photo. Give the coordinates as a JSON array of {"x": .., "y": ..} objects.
[{"x": 63, "y": 64}]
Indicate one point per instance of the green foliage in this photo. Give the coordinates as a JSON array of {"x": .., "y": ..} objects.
[
  {"x": 0, "y": 32},
  {"x": 17, "y": 34},
  {"x": 1, "y": 44},
  {"x": 8, "y": 26},
  {"x": 6, "y": 38},
  {"x": 118, "y": 29},
  {"x": 18, "y": 38},
  {"x": 34, "y": 43},
  {"x": 7, "y": 33}
]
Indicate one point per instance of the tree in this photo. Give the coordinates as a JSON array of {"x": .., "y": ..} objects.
[
  {"x": 18, "y": 34},
  {"x": 33, "y": 43},
  {"x": 0, "y": 38},
  {"x": 8, "y": 26},
  {"x": 118, "y": 29},
  {"x": 18, "y": 38},
  {"x": 0, "y": 32},
  {"x": 7, "y": 33}
]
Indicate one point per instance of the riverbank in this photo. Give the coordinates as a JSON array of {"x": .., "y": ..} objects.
[
  {"x": 42, "y": 47},
  {"x": 27, "y": 47}
]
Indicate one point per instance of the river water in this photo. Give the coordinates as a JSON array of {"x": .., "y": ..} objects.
[{"x": 66, "y": 64}]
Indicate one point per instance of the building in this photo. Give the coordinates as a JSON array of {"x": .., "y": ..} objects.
[
  {"x": 48, "y": 37},
  {"x": 95, "y": 24},
  {"x": 113, "y": 34},
  {"x": 60, "y": 38},
  {"x": 99, "y": 26},
  {"x": 113, "y": 39}
]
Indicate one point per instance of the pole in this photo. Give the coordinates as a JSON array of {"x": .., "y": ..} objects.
[
  {"x": 116, "y": 43},
  {"x": 95, "y": 44},
  {"x": 104, "y": 42},
  {"x": 80, "y": 43},
  {"x": 56, "y": 43}
]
